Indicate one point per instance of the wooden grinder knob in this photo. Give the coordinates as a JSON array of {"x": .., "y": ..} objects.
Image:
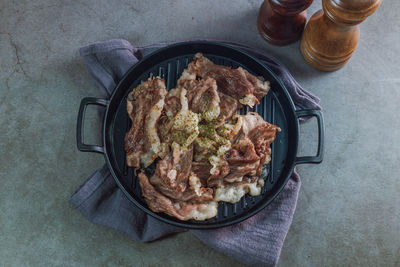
[
  {"x": 281, "y": 22},
  {"x": 331, "y": 36}
]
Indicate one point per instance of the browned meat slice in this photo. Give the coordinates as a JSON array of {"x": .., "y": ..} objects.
[
  {"x": 164, "y": 128},
  {"x": 196, "y": 88},
  {"x": 144, "y": 106},
  {"x": 262, "y": 134},
  {"x": 206, "y": 99},
  {"x": 232, "y": 82},
  {"x": 182, "y": 163},
  {"x": 243, "y": 151},
  {"x": 206, "y": 194},
  {"x": 262, "y": 137},
  {"x": 175, "y": 168},
  {"x": 237, "y": 83},
  {"x": 157, "y": 202},
  {"x": 202, "y": 95},
  {"x": 261, "y": 87},
  {"x": 251, "y": 148},
  {"x": 187, "y": 80},
  {"x": 217, "y": 177},
  {"x": 171, "y": 108},
  {"x": 172, "y": 103},
  {"x": 243, "y": 160},
  {"x": 228, "y": 106},
  {"x": 202, "y": 170},
  {"x": 245, "y": 180},
  {"x": 202, "y": 195},
  {"x": 173, "y": 177}
]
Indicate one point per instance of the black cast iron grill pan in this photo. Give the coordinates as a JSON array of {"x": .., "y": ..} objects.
[{"x": 276, "y": 107}]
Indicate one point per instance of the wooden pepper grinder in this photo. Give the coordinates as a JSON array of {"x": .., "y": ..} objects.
[
  {"x": 281, "y": 22},
  {"x": 331, "y": 36}
]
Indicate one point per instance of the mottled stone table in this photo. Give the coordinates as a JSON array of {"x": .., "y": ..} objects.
[{"x": 349, "y": 206}]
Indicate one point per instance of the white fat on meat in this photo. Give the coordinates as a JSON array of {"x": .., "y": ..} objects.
[
  {"x": 229, "y": 130},
  {"x": 187, "y": 75},
  {"x": 186, "y": 120},
  {"x": 203, "y": 211},
  {"x": 217, "y": 160},
  {"x": 192, "y": 127},
  {"x": 180, "y": 118},
  {"x": 147, "y": 158},
  {"x": 194, "y": 183},
  {"x": 250, "y": 121},
  {"x": 263, "y": 85},
  {"x": 151, "y": 122},
  {"x": 236, "y": 128},
  {"x": 233, "y": 193},
  {"x": 249, "y": 100},
  {"x": 172, "y": 176}
]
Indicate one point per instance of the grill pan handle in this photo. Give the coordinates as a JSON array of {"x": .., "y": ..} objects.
[
  {"x": 320, "y": 120},
  {"x": 79, "y": 127}
]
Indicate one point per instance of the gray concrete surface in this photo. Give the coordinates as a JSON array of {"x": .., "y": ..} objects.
[{"x": 348, "y": 212}]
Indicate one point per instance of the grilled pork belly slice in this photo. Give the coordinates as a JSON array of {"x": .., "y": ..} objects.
[
  {"x": 182, "y": 210},
  {"x": 175, "y": 168},
  {"x": 228, "y": 106},
  {"x": 261, "y": 134},
  {"x": 144, "y": 106},
  {"x": 237, "y": 83}
]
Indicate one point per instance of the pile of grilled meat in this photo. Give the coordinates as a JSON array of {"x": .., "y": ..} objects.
[{"x": 204, "y": 150}]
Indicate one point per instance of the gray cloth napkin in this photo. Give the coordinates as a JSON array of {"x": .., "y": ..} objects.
[{"x": 255, "y": 241}]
